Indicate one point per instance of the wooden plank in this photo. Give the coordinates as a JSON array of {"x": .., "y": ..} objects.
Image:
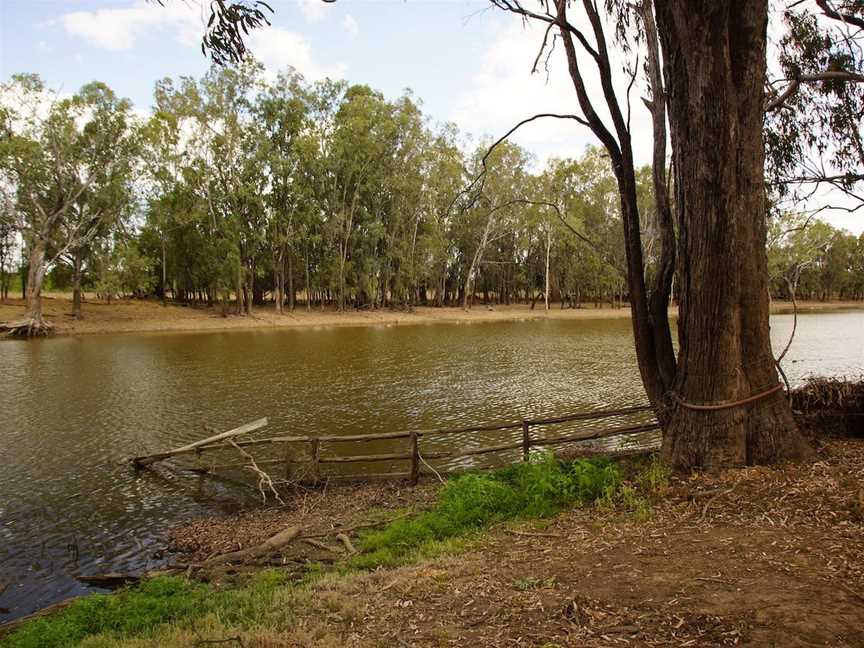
[
  {"x": 316, "y": 459},
  {"x": 599, "y": 434},
  {"x": 361, "y": 477},
  {"x": 415, "y": 459},
  {"x": 588, "y": 416},
  {"x": 243, "y": 444},
  {"x": 458, "y": 454},
  {"x": 491, "y": 427},
  {"x": 239, "y": 464},
  {"x": 146, "y": 460},
  {"x": 208, "y": 445},
  {"x": 395, "y": 456}
]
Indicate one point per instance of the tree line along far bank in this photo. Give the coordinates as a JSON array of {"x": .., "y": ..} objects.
[{"x": 240, "y": 190}]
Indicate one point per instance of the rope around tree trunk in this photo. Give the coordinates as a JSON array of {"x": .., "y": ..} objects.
[{"x": 726, "y": 404}]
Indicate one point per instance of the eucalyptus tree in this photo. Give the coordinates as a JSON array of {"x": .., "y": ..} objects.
[
  {"x": 281, "y": 113},
  {"x": 8, "y": 246},
  {"x": 353, "y": 171},
  {"x": 815, "y": 102},
  {"x": 491, "y": 217},
  {"x": 444, "y": 176},
  {"x": 110, "y": 199},
  {"x": 65, "y": 165},
  {"x": 229, "y": 168},
  {"x": 168, "y": 178},
  {"x": 716, "y": 111},
  {"x": 400, "y": 201}
]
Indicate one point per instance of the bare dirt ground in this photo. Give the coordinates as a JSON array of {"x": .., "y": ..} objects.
[
  {"x": 762, "y": 557},
  {"x": 317, "y": 511},
  {"x": 133, "y": 315}
]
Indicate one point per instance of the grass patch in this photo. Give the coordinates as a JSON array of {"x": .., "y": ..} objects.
[
  {"x": 537, "y": 489},
  {"x": 139, "y": 610}
]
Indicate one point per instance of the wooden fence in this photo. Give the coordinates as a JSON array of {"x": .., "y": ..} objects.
[{"x": 304, "y": 456}]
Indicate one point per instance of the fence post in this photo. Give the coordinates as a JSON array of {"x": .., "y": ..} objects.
[
  {"x": 316, "y": 455},
  {"x": 287, "y": 461},
  {"x": 526, "y": 440},
  {"x": 415, "y": 459}
]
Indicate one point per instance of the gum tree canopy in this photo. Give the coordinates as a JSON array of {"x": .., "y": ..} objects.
[{"x": 718, "y": 398}]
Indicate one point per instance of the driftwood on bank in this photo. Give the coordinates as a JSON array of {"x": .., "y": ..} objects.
[
  {"x": 270, "y": 545},
  {"x": 110, "y": 580},
  {"x": 146, "y": 460}
]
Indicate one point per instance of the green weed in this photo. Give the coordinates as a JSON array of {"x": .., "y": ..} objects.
[
  {"x": 537, "y": 489},
  {"x": 139, "y": 610}
]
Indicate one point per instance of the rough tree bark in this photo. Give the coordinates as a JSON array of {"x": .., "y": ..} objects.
[
  {"x": 715, "y": 60},
  {"x": 33, "y": 323},
  {"x": 77, "y": 265}
]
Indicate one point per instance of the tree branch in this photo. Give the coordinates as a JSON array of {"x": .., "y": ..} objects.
[{"x": 795, "y": 84}]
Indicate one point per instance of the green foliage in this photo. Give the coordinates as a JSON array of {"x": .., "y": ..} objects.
[
  {"x": 537, "y": 489},
  {"x": 652, "y": 477},
  {"x": 141, "y": 609}
]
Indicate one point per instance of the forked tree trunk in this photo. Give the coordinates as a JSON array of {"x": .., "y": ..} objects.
[
  {"x": 35, "y": 279},
  {"x": 715, "y": 62},
  {"x": 33, "y": 323}
]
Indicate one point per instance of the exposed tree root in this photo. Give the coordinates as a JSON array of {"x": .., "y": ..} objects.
[{"x": 28, "y": 327}]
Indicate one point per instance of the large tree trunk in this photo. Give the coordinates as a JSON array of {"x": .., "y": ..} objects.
[
  {"x": 715, "y": 72},
  {"x": 291, "y": 290},
  {"x": 33, "y": 323},
  {"x": 279, "y": 291},
  {"x": 238, "y": 288},
  {"x": 77, "y": 263}
]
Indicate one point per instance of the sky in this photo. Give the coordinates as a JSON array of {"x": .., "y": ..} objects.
[{"x": 467, "y": 62}]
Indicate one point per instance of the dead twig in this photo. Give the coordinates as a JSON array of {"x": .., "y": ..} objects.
[
  {"x": 322, "y": 545},
  {"x": 714, "y": 499},
  {"x": 263, "y": 478},
  {"x": 345, "y": 540},
  {"x": 533, "y": 535},
  {"x": 356, "y": 527},
  {"x": 201, "y": 641}
]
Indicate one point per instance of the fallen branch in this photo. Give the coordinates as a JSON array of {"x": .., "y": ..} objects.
[
  {"x": 528, "y": 534},
  {"x": 322, "y": 545},
  {"x": 714, "y": 499},
  {"x": 110, "y": 579},
  {"x": 146, "y": 460},
  {"x": 345, "y": 540},
  {"x": 356, "y": 527},
  {"x": 272, "y": 544},
  {"x": 263, "y": 478}
]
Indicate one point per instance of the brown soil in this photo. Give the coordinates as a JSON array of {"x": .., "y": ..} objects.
[
  {"x": 752, "y": 557},
  {"x": 319, "y": 512},
  {"x": 128, "y": 316}
]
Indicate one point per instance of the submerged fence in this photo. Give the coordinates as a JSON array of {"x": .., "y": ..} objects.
[{"x": 314, "y": 458}]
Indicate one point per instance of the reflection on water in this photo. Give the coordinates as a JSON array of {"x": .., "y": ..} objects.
[{"x": 72, "y": 409}]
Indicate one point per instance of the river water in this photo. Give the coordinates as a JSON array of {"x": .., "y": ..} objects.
[{"x": 72, "y": 408}]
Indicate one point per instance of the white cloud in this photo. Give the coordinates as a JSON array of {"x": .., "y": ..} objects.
[
  {"x": 504, "y": 92},
  {"x": 279, "y": 48},
  {"x": 117, "y": 29},
  {"x": 43, "y": 47},
  {"x": 314, "y": 10},
  {"x": 350, "y": 25}
]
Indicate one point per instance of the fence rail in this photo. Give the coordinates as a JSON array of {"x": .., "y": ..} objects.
[{"x": 311, "y": 456}]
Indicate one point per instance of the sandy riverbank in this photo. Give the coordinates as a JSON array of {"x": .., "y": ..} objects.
[{"x": 130, "y": 316}]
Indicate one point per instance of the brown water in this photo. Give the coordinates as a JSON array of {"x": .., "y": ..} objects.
[{"x": 72, "y": 408}]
